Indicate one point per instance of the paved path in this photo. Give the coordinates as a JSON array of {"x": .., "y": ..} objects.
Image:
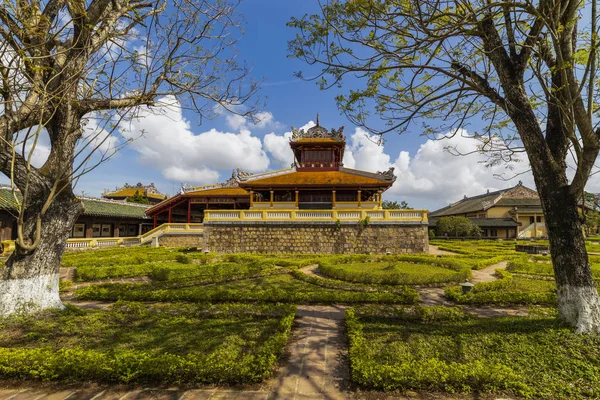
[
  {"x": 487, "y": 274},
  {"x": 437, "y": 252},
  {"x": 314, "y": 368}
]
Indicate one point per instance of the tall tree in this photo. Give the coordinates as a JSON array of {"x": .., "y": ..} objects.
[
  {"x": 526, "y": 68},
  {"x": 69, "y": 65}
]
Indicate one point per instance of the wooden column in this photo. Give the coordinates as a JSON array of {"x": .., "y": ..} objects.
[
  {"x": 272, "y": 198},
  {"x": 169, "y": 219},
  {"x": 359, "y": 200},
  {"x": 535, "y": 225},
  {"x": 333, "y": 197},
  {"x": 379, "y": 198},
  {"x": 189, "y": 214},
  {"x": 251, "y": 198},
  {"x": 155, "y": 215},
  {"x": 297, "y": 192}
]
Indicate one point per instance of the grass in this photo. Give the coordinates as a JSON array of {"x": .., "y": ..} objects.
[
  {"x": 545, "y": 268},
  {"x": 132, "y": 342},
  {"x": 171, "y": 264},
  {"x": 441, "y": 349},
  {"x": 506, "y": 291},
  {"x": 398, "y": 273},
  {"x": 282, "y": 287}
]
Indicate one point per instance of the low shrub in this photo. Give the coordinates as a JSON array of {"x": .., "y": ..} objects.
[
  {"x": 399, "y": 270},
  {"x": 508, "y": 290},
  {"x": 279, "y": 288},
  {"x": 438, "y": 349},
  {"x": 182, "y": 258},
  {"x": 158, "y": 344}
]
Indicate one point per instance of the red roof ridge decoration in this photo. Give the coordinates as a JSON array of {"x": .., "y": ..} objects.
[{"x": 318, "y": 132}]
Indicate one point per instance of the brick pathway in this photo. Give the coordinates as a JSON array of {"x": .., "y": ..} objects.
[
  {"x": 437, "y": 252},
  {"x": 313, "y": 369},
  {"x": 487, "y": 274}
]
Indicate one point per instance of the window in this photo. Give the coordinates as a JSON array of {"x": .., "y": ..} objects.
[
  {"x": 106, "y": 230},
  {"x": 531, "y": 220},
  {"x": 96, "y": 228},
  {"x": 493, "y": 232},
  {"x": 317, "y": 156},
  {"x": 539, "y": 218},
  {"x": 78, "y": 231},
  {"x": 133, "y": 230}
]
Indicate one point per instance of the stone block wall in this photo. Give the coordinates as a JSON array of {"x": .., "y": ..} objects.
[
  {"x": 193, "y": 240},
  {"x": 313, "y": 238}
]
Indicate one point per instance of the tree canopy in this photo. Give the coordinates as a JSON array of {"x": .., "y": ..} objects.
[{"x": 521, "y": 75}]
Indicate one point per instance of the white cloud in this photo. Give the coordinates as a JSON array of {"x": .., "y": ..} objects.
[
  {"x": 278, "y": 146},
  {"x": 95, "y": 136},
  {"x": 363, "y": 152},
  {"x": 436, "y": 177},
  {"x": 168, "y": 143},
  {"x": 263, "y": 119}
]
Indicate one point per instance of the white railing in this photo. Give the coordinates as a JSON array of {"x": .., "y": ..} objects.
[
  {"x": 416, "y": 216},
  {"x": 536, "y": 229},
  {"x": 96, "y": 242}
]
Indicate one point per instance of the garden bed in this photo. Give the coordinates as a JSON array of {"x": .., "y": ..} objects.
[
  {"x": 444, "y": 350},
  {"x": 157, "y": 344}
]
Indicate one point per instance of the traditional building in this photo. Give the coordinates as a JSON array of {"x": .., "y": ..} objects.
[
  {"x": 510, "y": 213},
  {"x": 316, "y": 180},
  {"x": 100, "y": 218},
  {"x": 148, "y": 192}
]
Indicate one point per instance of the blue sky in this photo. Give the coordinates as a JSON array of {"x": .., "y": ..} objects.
[{"x": 176, "y": 150}]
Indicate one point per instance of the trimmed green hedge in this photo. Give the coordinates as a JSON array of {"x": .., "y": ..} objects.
[
  {"x": 396, "y": 270},
  {"x": 273, "y": 288},
  {"x": 167, "y": 344},
  {"x": 444, "y": 350},
  {"x": 508, "y": 290}
]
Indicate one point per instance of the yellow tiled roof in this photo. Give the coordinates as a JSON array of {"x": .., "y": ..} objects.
[
  {"x": 234, "y": 191},
  {"x": 317, "y": 178},
  {"x": 131, "y": 192}
]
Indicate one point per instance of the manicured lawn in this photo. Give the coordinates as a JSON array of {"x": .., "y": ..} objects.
[
  {"x": 280, "y": 287},
  {"x": 171, "y": 264},
  {"x": 396, "y": 272},
  {"x": 508, "y": 290},
  {"x": 132, "y": 342},
  {"x": 545, "y": 268},
  {"x": 445, "y": 350}
]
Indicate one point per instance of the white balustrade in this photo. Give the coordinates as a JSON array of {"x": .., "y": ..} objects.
[{"x": 348, "y": 214}]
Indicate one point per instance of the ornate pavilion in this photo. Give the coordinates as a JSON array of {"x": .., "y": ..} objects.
[{"x": 316, "y": 180}]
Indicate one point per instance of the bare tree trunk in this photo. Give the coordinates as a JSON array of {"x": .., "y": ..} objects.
[
  {"x": 29, "y": 280},
  {"x": 578, "y": 300}
]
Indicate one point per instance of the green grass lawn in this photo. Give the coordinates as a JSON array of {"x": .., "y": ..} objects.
[
  {"x": 397, "y": 272},
  {"x": 444, "y": 350},
  {"x": 508, "y": 290},
  {"x": 158, "y": 344},
  {"x": 281, "y": 287}
]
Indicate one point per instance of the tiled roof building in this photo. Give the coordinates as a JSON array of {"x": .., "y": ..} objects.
[
  {"x": 316, "y": 180},
  {"x": 507, "y": 213},
  {"x": 100, "y": 218},
  {"x": 149, "y": 192}
]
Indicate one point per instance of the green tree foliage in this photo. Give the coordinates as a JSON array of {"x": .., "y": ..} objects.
[
  {"x": 457, "y": 227},
  {"x": 394, "y": 205},
  {"x": 138, "y": 198},
  {"x": 528, "y": 70}
]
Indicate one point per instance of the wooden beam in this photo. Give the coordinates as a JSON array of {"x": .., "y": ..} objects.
[{"x": 189, "y": 212}]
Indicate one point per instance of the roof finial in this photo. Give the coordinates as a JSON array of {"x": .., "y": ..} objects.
[{"x": 317, "y": 119}]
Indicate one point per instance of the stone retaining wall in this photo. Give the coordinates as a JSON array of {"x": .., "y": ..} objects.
[
  {"x": 179, "y": 240},
  {"x": 311, "y": 238}
]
